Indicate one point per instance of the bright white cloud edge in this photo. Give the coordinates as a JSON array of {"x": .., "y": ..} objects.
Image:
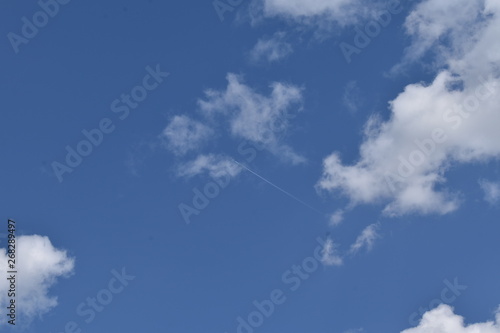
[
  {"x": 443, "y": 320},
  {"x": 403, "y": 161},
  {"x": 39, "y": 266}
]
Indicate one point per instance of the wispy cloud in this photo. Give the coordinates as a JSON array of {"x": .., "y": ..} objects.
[
  {"x": 491, "y": 191},
  {"x": 183, "y": 134},
  {"x": 355, "y": 330},
  {"x": 216, "y": 166},
  {"x": 329, "y": 254},
  {"x": 271, "y": 49},
  {"x": 352, "y": 97},
  {"x": 366, "y": 239},
  {"x": 431, "y": 21},
  {"x": 318, "y": 12}
]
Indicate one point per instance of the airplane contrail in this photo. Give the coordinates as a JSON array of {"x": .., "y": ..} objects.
[{"x": 277, "y": 187}]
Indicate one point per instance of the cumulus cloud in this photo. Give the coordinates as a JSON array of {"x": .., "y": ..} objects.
[
  {"x": 216, "y": 166},
  {"x": 403, "y": 161},
  {"x": 260, "y": 119},
  {"x": 329, "y": 255},
  {"x": 491, "y": 191},
  {"x": 183, "y": 134},
  {"x": 444, "y": 320},
  {"x": 271, "y": 49},
  {"x": 366, "y": 239},
  {"x": 39, "y": 266}
]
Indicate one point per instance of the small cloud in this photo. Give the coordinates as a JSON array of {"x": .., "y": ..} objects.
[
  {"x": 184, "y": 134},
  {"x": 329, "y": 256},
  {"x": 491, "y": 191},
  {"x": 366, "y": 238},
  {"x": 319, "y": 13},
  {"x": 337, "y": 217},
  {"x": 271, "y": 49},
  {"x": 215, "y": 166},
  {"x": 355, "y": 330},
  {"x": 351, "y": 98}
]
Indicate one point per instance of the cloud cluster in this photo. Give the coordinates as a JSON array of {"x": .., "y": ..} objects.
[
  {"x": 261, "y": 120},
  {"x": 331, "y": 256},
  {"x": 443, "y": 320},
  {"x": 433, "y": 126},
  {"x": 39, "y": 266}
]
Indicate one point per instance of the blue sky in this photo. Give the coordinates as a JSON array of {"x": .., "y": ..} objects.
[{"x": 334, "y": 162}]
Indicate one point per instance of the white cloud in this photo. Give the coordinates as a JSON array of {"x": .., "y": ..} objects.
[
  {"x": 366, "y": 238},
  {"x": 443, "y": 320},
  {"x": 491, "y": 191},
  {"x": 342, "y": 12},
  {"x": 456, "y": 21},
  {"x": 329, "y": 256},
  {"x": 39, "y": 265},
  {"x": 271, "y": 49},
  {"x": 255, "y": 117},
  {"x": 453, "y": 120},
  {"x": 303, "y": 8},
  {"x": 337, "y": 217},
  {"x": 184, "y": 134},
  {"x": 215, "y": 166}
]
